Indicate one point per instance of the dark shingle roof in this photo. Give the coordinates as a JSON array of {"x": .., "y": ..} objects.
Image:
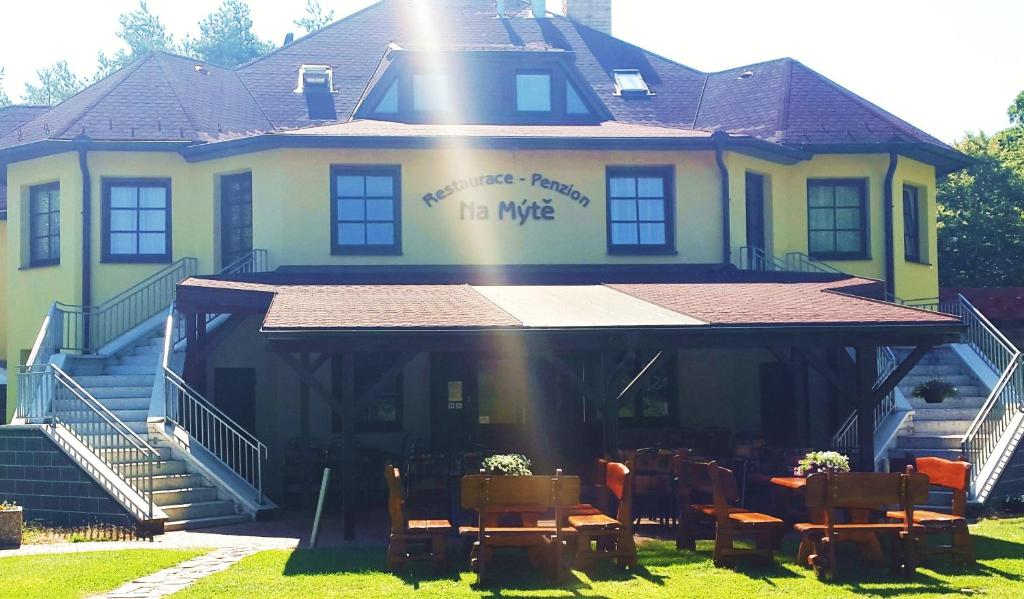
[
  {"x": 163, "y": 97},
  {"x": 14, "y": 115}
]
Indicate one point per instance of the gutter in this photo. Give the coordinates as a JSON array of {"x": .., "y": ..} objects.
[
  {"x": 890, "y": 250},
  {"x": 83, "y": 165},
  {"x": 719, "y": 138}
]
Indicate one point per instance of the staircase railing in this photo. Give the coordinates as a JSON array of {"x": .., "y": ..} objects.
[
  {"x": 102, "y": 433},
  {"x": 35, "y": 397},
  {"x": 88, "y": 329},
  {"x": 755, "y": 258},
  {"x": 846, "y": 439},
  {"x": 229, "y": 442},
  {"x": 253, "y": 262},
  {"x": 1004, "y": 403}
]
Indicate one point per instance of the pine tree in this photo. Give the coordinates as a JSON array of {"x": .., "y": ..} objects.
[{"x": 226, "y": 37}]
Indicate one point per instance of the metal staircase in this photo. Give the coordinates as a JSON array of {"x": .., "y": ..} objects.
[{"x": 97, "y": 379}]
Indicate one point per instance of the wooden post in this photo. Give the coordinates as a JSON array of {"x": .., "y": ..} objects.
[
  {"x": 201, "y": 353},
  {"x": 348, "y": 443},
  {"x": 867, "y": 373},
  {"x": 610, "y": 413}
]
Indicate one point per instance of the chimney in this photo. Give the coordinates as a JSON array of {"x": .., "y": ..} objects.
[
  {"x": 540, "y": 9},
  {"x": 596, "y": 14},
  {"x": 502, "y": 10}
]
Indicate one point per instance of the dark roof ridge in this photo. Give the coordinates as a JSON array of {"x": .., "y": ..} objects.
[
  {"x": 632, "y": 45},
  {"x": 907, "y": 129},
  {"x": 761, "y": 63},
  {"x": 308, "y": 36},
  {"x": 177, "y": 98},
  {"x": 700, "y": 101},
  {"x": 125, "y": 72},
  {"x": 787, "y": 91}
]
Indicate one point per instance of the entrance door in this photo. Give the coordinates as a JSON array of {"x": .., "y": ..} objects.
[
  {"x": 779, "y": 414},
  {"x": 235, "y": 217},
  {"x": 755, "y": 211},
  {"x": 234, "y": 390}
]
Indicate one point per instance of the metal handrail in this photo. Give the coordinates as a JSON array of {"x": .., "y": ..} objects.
[
  {"x": 757, "y": 259},
  {"x": 229, "y": 442},
  {"x": 99, "y": 430},
  {"x": 86, "y": 329},
  {"x": 35, "y": 400},
  {"x": 252, "y": 262}
]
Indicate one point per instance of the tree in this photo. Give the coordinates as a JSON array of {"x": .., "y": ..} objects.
[
  {"x": 4, "y": 100},
  {"x": 315, "y": 17},
  {"x": 1016, "y": 110},
  {"x": 56, "y": 84},
  {"x": 981, "y": 214},
  {"x": 142, "y": 32},
  {"x": 226, "y": 37}
]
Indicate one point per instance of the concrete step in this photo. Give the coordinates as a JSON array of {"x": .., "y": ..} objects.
[
  {"x": 937, "y": 369},
  {"x": 907, "y": 453},
  {"x": 974, "y": 402},
  {"x": 107, "y": 441},
  {"x": 186, "y": 495},
  {"x": 940, "y": 427},
  {"x": 156, "y": 341},
  {"x": 103, "y": 393},
  {"x": 116, "y": 380},
  {"x": 161, "y": 468},
  {"x": 198, "y": 523},
  {"x": 80, "y": 367},
  {"x": 86, "y": 415},
  {"x": 114, "y": 456},
  {"x": 957, "y": 380},
  {"x": 113, "y": 404},
  {"x": 184, "y": 480},
  {"x": 928, "y": 441},
  {"x": 962, "y": 390},
  {"x": 203, "y": 509},
  {"x": 945, "y": 414},
  {"x": 122, "y": 369},
  {"x": 148, "y": 359},
  {"x": 96, "y": 432}
]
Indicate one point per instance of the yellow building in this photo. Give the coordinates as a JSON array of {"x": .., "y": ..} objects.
[{"x": 457, "y": 215}]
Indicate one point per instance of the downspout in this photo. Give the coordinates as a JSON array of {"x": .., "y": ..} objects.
[
  {"x": 890, "y": 251},
  {"x": 719, "y": 138},
  {"x": 83, "y": 165}
]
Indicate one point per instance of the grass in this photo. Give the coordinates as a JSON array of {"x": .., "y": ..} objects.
[
  {"x": 664, "y": 572},
  {"x": 76, "y": 575}
]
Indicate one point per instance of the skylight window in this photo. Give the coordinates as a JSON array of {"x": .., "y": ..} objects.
[
  {"x": 533, "y": 92},
  {"x": 430, "y": 92},
  {"x": 389, "y": 101},
  {"x": 315, "y": 78},
  {"x": 630, "y": 82},
  {"x": 574, "y": 103}
]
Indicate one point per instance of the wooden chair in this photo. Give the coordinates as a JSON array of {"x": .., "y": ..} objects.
[
  {"x": 432, "y": 533},
  {"x": 653, "y": 485},
  {"x": 732, "y": 523},
  {"x": 956, "y": 477},
  {"x": 830, "y": 493},
  {"x": 695, "y": 501},
  {"x": 495, "y": 495},
  {"x": 602, "y": 537}
]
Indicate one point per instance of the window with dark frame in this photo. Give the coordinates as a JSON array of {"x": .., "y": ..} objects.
[
  {"x": 136, "y": 220},
  {"x": 366, "y": 208},
  {"x": 837, "y": 223},
  {"x": 383, "y": 411},
  {"x": 911, "y": 224},
  {"x": 533, "y": 91},
  {"x": 44, "y": 225},
  {"x": 640, "y": 210},
  {"x": 235, "y": 217}
]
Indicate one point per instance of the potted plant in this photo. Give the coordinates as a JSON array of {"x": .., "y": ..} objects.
[
  {"x": 822, "y": 461},
  {"x": 512, "y": 464},
  {"x": 934, "y": 391},
  {"x": 11, "y": 522}
]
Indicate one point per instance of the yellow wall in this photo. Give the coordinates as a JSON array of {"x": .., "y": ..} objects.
[
  {"x": 3, "y": 291},
  {"x": 786, "y": 211},
  {"x": 291, "y": 214}
]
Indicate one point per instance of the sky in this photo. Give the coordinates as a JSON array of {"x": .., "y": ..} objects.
[{"x": 946, "y": 66}]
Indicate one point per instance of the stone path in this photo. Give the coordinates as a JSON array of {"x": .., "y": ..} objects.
[{"x": 176, "y": 578}]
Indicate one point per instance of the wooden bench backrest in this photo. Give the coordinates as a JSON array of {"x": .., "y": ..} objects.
[
  {"x": 866, "y": 490},
  {"x": 484, "y": 491},
  {"x": 396, "y": 498},
  {"x": 619, "y": 481}
]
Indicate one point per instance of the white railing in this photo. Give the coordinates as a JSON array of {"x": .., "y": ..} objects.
[
  {"x": 229, "y": 442},
  {"x": 35, "y": 397},
  {"x": 96, "y": 428},
  {"x": 846, "y": 439}
]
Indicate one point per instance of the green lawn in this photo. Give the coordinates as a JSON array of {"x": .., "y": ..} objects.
[
  {"x": 75, "y": 575},
  {"x": 359, "y": 573}
]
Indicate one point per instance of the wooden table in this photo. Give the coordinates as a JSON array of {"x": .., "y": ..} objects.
[{"x": 870, "y": 545}]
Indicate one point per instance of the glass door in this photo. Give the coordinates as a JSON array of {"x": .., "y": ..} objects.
[{"x": 235, "y": 217}]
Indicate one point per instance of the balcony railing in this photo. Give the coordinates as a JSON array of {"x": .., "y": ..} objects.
[{"x": 756, "y": 259}]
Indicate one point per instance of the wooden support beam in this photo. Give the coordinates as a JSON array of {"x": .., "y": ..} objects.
[
  {"x": 307, "y": 376},
  {"x": 563, "y": 368},
  {"x": 386, "y": 378},
  {"x": 348, "y": 443},
  {"x": 867, "y": 374}
]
